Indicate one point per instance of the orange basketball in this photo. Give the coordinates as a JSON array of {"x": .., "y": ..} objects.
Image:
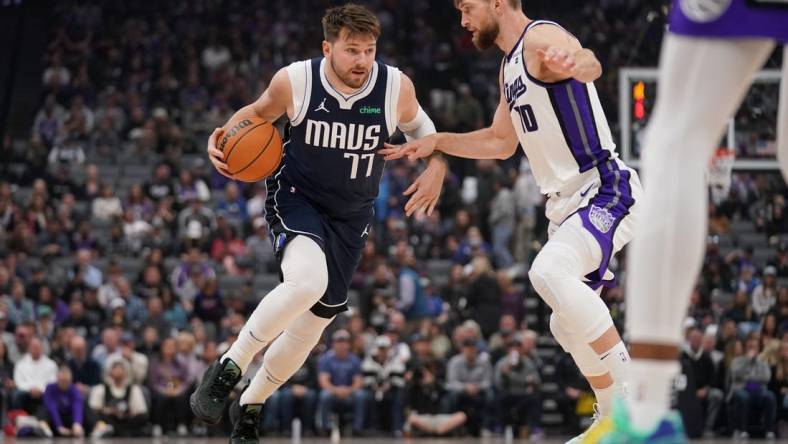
[{"x": 252, "y": 149}]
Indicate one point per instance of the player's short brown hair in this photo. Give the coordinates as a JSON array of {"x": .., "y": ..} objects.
[
  {"x": 516, "y": 4},
  {"x": 357, "y": 19}
]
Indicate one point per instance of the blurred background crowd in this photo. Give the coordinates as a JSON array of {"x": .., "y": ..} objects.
[{"x": 127, "y": 265}]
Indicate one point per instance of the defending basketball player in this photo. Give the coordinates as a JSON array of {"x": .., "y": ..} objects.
[
  {"x": 341, "y": 109},
  {"x": 549, "y": 104},
  {"x": 708, "y": 61}
]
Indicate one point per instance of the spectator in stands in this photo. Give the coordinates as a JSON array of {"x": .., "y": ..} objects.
[
  {"x": 340, "y": 381},
  {"x": 425, "y": 392},
  {"x": 154, "y": 317},
  {"x": 742, "y": 314},
  {"x": 23, "y": 334},
  {"x": 484, "y": 296},
  {"x": 410, "y": 293},
  {"x": 233, "y": 205},
  {"x": 195, "y": 221},
  {"x": 63, "y": 404},
  {"x": 384, "y": 381},
  {"x": 703, "y": 378},
  {"x": 502, "y": 221},
  {"x": 209, "y": 305},
  {"x": 20, "y": 308},
  {"x": 6, "y": 377},
  {"x": 499, "y": 341},
  {"x": 188, "y": 276},
  {"x": 53, "y": 241},
  {"x": 138, "y": 362},
  {"x": 227, "y": 247},
  {"x": 748, "y": 392},
  {"x": 574, "y": 395},
  {"x": 160, "y": 187},
  {"x": 779, "y": 382},
  {"x": 110, "y": 343},
  {"x": 32, "y": 374},
  {"x": 107, "y": 206},
  {"x": 118, "y": 404},
  {"x": 517, "y": 381},
  {"x": 259, "y": 250},
  {"x": 169, "y": 388},
  {"x": 469, "y": 379},
  {"x": 512, "y": 299},
  {"x": 67, "y": 154},
  {"x": 764, "y": 296},
  {"x": 189, "y": 189},
  {"x": 85, "y": 370},
  {"x": 48, "y": 121}
]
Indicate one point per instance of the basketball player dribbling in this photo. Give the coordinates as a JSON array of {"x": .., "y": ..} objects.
[
  {"x": 550, "y": 106},
  {"x": 341, "y": 109},
  {"x": 709, "y": 57}
]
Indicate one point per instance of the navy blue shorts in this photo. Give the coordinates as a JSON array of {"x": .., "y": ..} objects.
[{"x": 290, "y": 214}]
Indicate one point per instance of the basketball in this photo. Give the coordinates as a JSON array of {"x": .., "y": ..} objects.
[{"x": 252, "y": 149}]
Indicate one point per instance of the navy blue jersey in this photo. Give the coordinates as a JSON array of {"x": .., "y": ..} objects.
[{"x": 332, "y": 140}]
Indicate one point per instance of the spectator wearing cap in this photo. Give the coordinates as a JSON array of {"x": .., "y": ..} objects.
[
  {"x": 259, "y": 250},
  {"x": 63, "y": 405},
  {"x": 45, "y": 325},
  {"x": 118, "y": 405},
  {"x": 517, "y": 381},
  {"x": 340, "y": 380},
  {"x": 84, "y": 369},
  {"x": 469, "y": 379},
  {"x": 384, "y": 382},
  {"x": 31, "y": 376},
  {"x": 764, "y": 296}
]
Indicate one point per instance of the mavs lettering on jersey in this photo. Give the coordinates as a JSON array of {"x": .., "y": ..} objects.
[
  {"x": 351, "y": 137},
  {"x": 330, "y": 152}
]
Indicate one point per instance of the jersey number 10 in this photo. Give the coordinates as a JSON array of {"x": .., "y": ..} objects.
[
  {"x": 527, "y": 118},
  {"x": 354, "y": 168}
]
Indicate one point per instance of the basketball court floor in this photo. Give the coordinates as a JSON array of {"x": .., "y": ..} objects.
[{"x": 322, "y": 441}]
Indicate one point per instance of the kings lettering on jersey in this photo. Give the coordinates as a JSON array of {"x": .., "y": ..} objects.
[
  {"x": 514, "y": 90},
  {"x": 338, "y": 135}
]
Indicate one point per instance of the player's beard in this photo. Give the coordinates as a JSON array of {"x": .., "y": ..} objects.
[
  {"x": 485, "y": 37},
  {"x": 347, "y": 76}
]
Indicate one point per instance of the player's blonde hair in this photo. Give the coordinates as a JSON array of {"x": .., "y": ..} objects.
[
  {"x": 357, "y": 19},
  {"x": 516, "y": 4}
]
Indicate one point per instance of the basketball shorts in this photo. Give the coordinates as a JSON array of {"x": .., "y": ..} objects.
[
  {"x": 730, "y": 18},
  {"x": 606, "y": 207},
  {"x": 290, "y": 214}
]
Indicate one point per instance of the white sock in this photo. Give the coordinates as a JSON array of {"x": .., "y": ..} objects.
[
  {"x": 605, "y": 397},
  {"x": 651, "y": 383},
  {"x": 285, "y": 356},
  {"x": 305, "y": 281},
  {"x": 617, "y": 361}
]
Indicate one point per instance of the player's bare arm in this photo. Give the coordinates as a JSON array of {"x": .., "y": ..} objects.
[
  {"x": 275, "y": 101},
  {"x": 553, "y": 55},
  {"x": 426, "y": 189},
  {"x": 498, "y": 141}
]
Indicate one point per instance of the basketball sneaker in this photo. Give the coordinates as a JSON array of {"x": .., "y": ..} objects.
[
  {"x": 246, "y": 421},
  {"x": 210, "y": 399},
  {"x": 597, "y": 421},
  {"x": 616, "y": 429}
]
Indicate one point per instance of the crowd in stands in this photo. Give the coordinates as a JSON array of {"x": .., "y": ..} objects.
[{"x": 127, "y": 265}]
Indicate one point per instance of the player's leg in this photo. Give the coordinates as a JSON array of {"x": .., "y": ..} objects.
[
  {"x": 305, "y": 278},
  {"x": 702, "y": 81},
  {"x": 581, "y": 322},
  {"x": 283, "y": 358},
  {"x": 782, "y": 118}
]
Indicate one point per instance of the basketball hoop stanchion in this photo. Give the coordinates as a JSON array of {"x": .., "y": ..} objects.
[{"x": 720, "y": 172}]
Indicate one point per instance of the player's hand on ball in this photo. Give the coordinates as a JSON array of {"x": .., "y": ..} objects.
[
  {"x": 558, "y": 60},
  {"x": 216, "y": 156},
  {"x": 416, "y": 149},
  {"x": 426, "y": 189}
]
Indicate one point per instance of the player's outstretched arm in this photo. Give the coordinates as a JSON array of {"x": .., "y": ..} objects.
[
  {"x": 560, "y": 56},
  {"x": 272, "y": 103},
  {"x": 416, "y": 124},
  {"x": 498, "y": 141}
]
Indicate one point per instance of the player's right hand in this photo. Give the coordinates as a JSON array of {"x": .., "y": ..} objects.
[
  {"x": 415, "y": 149},
  {"x": 215, "y": 155}
]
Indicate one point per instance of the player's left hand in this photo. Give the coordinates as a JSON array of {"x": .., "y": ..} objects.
[
  {"x": 426, "y": 189},
  {"x": 558, "y": 60}
]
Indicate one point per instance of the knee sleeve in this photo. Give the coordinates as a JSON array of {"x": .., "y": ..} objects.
[
  {"x": 304, "y": 269},
  {"x": 584, "y": 356}
]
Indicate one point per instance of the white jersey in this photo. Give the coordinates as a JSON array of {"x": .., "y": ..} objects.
[{"x": 561, "y": 126}]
